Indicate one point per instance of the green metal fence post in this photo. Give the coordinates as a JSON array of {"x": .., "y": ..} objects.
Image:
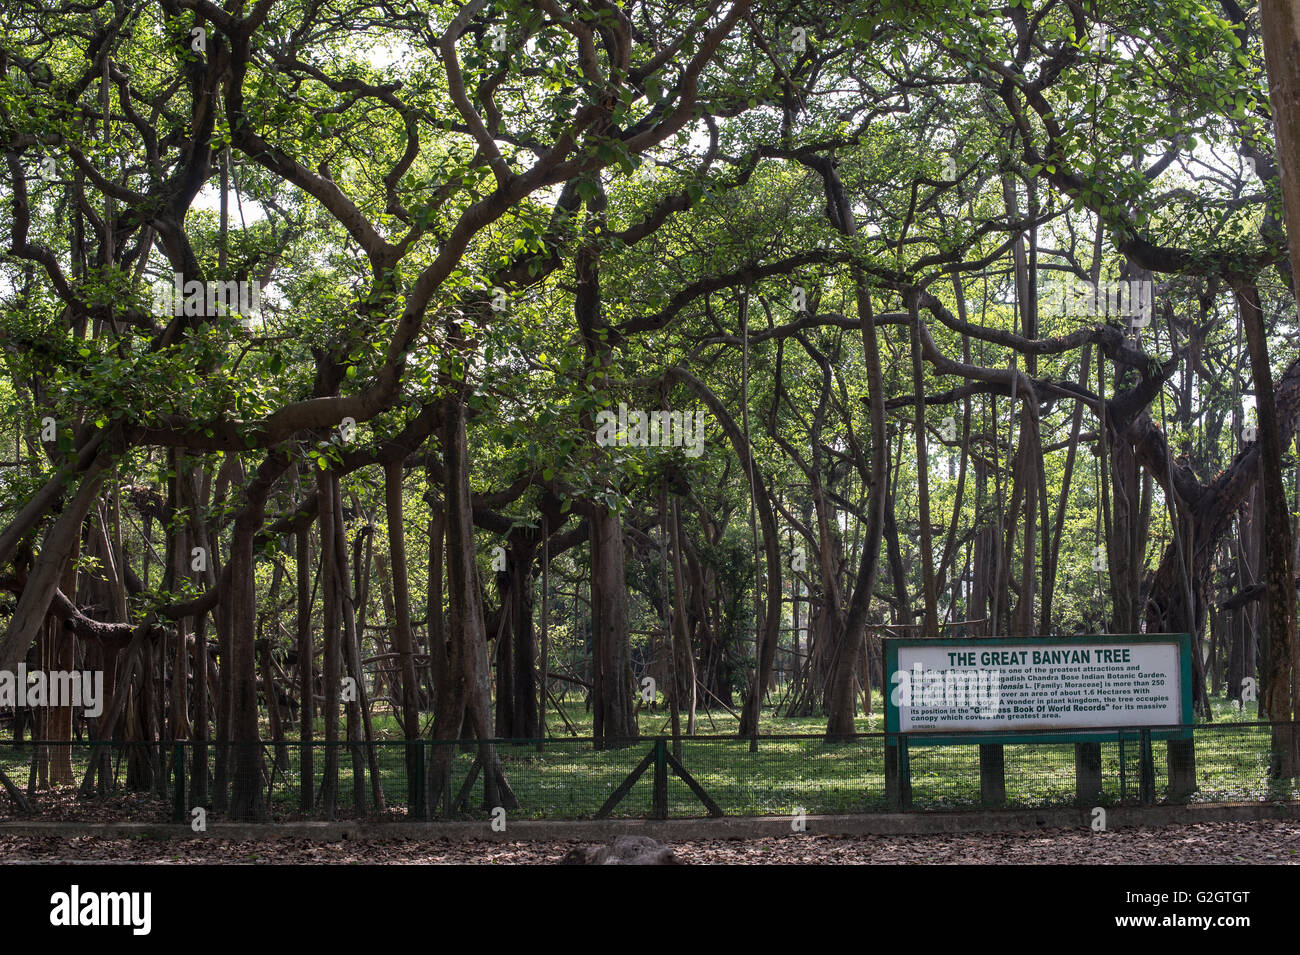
[
  {"x": 660, "y": 808},
  {"x": 178, "y": 774}
]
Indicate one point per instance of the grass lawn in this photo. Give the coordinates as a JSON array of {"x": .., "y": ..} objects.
[{"x": 568, "y": 779}]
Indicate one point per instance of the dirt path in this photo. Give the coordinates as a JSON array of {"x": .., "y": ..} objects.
[{"x": 1270, "y": 843}]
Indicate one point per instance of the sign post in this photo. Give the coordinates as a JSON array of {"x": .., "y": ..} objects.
[{"x": 1084, "y": 689}]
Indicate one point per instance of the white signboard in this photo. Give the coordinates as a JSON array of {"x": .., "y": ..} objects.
[{"x": 1036, "y": 685}]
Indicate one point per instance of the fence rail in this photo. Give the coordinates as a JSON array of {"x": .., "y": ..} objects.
[{"x": 651, "y": 777}]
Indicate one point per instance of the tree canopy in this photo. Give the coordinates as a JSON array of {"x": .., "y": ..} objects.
[{"x": 987, "y": 313}]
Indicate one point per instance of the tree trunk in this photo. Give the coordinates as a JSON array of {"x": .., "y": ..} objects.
[
  {"x": 247, "y": 797},
  {"x": 1280, "y": 31},
  {"x": 403, "y": 639},
  {"x": 1277, "y": 693},
  {"x": 306, "y": 667},
  {"x": 327, "y": 487},
  {"x": 614, "y": 718},
  {"x": 683, "y": 655},
  {"x": 466, "y": 637},
  {"x": 56, "y": 549}
]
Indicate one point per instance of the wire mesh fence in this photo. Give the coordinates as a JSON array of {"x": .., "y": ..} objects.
[{"x": 646, "y": 777}]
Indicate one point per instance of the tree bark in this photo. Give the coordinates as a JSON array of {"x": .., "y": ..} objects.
[
  {"x": 56, "y": 548},
  {"x": 467, "y": 639},
  {"x": 403, "y": 639},
  {"x": 1277, "y": 693}
]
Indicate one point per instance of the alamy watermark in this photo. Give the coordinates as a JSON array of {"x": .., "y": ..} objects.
[
  {"x": 651, "y": 429},
  {"x": 84, "y": 688},
  {"x": 207, "y": 299},
  {"x": 953, "y": 688},
  {"x": 1132, "y": 300},
  {"x": 76, "y": 907}
]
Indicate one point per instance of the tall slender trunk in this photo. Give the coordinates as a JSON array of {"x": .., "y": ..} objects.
[
  {"x": 683, "y": 655},
  {"x": 466, "y": 637},
  {"x": 931, "y": 628},
  {"x": 306, "y": 669},
  {"x": 327, "y": 488},
  {"x": 1278, "y": 694},
  {"x": 841, "y": 688},
  {"x": 613, "y": 715},
  {"x": 1280, "y": 22},
  {"x": 403, "y": 638},
  {"x": 247, "y": 797}
]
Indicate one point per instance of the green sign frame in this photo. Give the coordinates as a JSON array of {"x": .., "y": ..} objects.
[{"x": 1092, "y": 735}]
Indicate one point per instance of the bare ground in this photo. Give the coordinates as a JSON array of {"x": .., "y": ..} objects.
[{"x": 1269, "y": 843}]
